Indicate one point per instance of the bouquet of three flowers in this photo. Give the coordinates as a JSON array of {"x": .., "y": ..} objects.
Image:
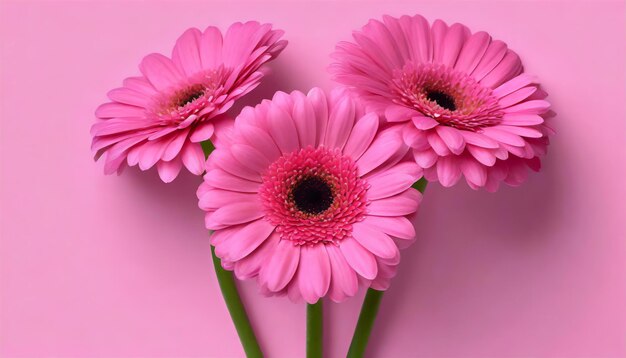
[{"x": 313, "y": 194}]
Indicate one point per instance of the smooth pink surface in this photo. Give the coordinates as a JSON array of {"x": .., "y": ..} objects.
[{"x": 538, "y": 270}]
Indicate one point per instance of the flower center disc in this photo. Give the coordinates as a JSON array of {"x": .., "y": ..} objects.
[
  {"x": 312, "y": 195},
  {"x": 442, "y": 99},
  {"x": 189, "y": 97},
  {"x": 451, "y": 97}
]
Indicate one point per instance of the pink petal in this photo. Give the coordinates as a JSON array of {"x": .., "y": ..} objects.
[
  {"x": 360, "y": 259},
  {"x": 509, "y": 67},
  {"x": 151, "y": 152},
  {"x": 455, "y": 37},
  {"x": 418, "y": 29},
  {"x": 343, "y": 281},
  {"x": 141, "y": 85},
  {"x": 388, "y": 184},
  {"x": 472, "y": 52},
  {"x": 479, "y": 140},
  {"x": 281, "y": 267},
  {"x": 113, "y": 165},
  {"x": 374, "y": 240},
  {"x": 211, "y": 48},
  {"x": 246, "y": 240},
  {"x": 438, "y": 33},
  {"x": 130, "y": 97},
  {"x": 283, "y": 130},
  {"x": 521, "y": 119},
  {"x": 381, "y": 149},
  {"x": 503, "y": 136},
  {"x": 314, "y": 267},
  {"x": 494, "y": 54},
  {"x": 160, "y": 71},
  {"x": 225, "y": 160},
  {"x": 320, "y": 107},
  {"x": 396, "y": 226},
  {"x": 426, "y": 158},
  {"x": 437, "y": 144},
  {"x": 474, "y": 172},
  {"x": 119, "y": 110},
  {"x": 260, "y": 139},
  {"x": 223, "y": 180},
  {"x": 448, "y": 171},
  {"x": 415, "y": 138},
  {"x": 527, "y": 132},
  {"x": 304, "y": 118},
  {"x": 213, "y": 199},
  {"x": 530, "y": 107},
  {"x": 249, "y": 266},
  {"x": 424, "y": 123},
  {"x": 485, "y": 156},
  {"x": 168, "y": 171},
  {"x": 516, "y": 96},
  {"x": 402, "y": 204},
  {"x": 513, "y": 85},
  {"x": 202, "y": 132},
  {"x": 340, "y": 124},
  {"x": 235, "y": 213},
  {"x": 453, "y": 138},
  {"x": 186, "y": 54},
  {"x": 250, "y": 157},
  {"x": 362, "y": 135},
  {"x": 175, "y": 146},
  {"x": 193, "y": 158},
  {"x": 396, "y": 113}
]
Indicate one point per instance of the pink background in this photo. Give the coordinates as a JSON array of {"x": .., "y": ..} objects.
[{"x": 119, "y": 266}]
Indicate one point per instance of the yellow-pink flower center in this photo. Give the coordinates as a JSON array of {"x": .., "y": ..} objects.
[
  {"x": 195, "y": 97},
  {"x": 450, "y": 97}
]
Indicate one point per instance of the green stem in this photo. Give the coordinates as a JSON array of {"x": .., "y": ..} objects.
[
  {"x": 314, "y": 330},
  {"x": 370, "y": 307},
  {"x": 231, "y": 295},
  {"x": 365, "y": 323},
  {"x": 236, "y": 309}
]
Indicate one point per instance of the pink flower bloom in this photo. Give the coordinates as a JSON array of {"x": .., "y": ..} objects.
[
  {"x": 311, "y": 197},
  {"x": 469, "y": 108},
  {"x": 161, "y": 117}
]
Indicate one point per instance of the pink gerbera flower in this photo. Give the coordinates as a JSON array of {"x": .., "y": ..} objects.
[
  {"x": 310, "y": 197},
  {"x": 469, "y": 109},
  {"x": 161, "y": 117}
]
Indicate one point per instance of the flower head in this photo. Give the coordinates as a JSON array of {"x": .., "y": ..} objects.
[
  {"x": 468, "y": 107},
  {"x": 310, "y": 196},
  {"x": 161, "y": 117}
]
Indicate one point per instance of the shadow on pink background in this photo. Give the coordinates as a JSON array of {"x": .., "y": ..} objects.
[{"x": 120, "y": 266}]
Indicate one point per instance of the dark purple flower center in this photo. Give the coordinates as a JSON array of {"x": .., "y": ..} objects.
[
  {"x": 312, "y": 195},
  {"x": 190, "y": 96},
  {"x": 442, "y": 99}
]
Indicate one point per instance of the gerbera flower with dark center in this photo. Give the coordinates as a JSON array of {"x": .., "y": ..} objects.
[
  {"x": 469, "y": 108},
  {"x": 161, "y": 117},
  {"x": 311, "y": 197}
]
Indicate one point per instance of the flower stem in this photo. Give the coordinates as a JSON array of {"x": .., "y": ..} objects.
[
  {"x": 231, "y": 295},
  {"x": 236, "y": 309},
  {"x": 314, "y": 330},
  {"x": 365, "y": 323},
  {"x": 370, "y": 307}
]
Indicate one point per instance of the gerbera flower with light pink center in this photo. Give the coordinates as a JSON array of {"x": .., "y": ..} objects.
[
  {"x": 469, "y": 108},
  {"x": 311, "y": 197},
  {"x": 161, "y": 117}
]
